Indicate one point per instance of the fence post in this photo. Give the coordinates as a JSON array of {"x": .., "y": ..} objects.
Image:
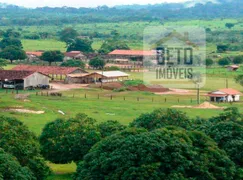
[
  {"x": 124, "y": 98},
  {"x": 73, "y": 95},
  {"x": 6, "y": 91},
  {"x": 47, "y": 93},
  {"x": 111, "y": 97},
  {"x": 191, "y": 100},
  {"x": 98, "y": 96},
  {"x": 178, "y": 100},
  {"x": 85, "y": 96},
  {"x": 137, "y": 98},
  {"x": 17, "y": 91},
  {"x": 36, "y": 93},
  {"x": 165, "y": 99}
]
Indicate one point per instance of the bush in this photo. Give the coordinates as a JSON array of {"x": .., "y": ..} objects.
[
  {"x": 122, "y": 89},
  {"x": 113, "y": 68},
  {"x": 169, "y": 153},
  {"x": 133, "y": 82}
]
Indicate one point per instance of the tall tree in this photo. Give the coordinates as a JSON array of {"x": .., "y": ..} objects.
[
  {"x": 167, "y": 153},
  {"x": 52, "y": 56},
  {"x": 64, "y": 141},
  {"x": 17, "y": 140},
  {"x": 10, "y": 42},
  {"x": 68, "y": 34},
  {"x": 84, "y": 45},
  {"x": 13, "y": 53},
  {"x": 97, "y": 63},
  {"x": 3, "y": 62}
]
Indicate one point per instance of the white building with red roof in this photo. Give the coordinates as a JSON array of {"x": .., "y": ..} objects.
[{"x": 225, "y": 95}]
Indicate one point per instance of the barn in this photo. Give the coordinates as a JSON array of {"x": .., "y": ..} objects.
[
  {"x": 94, "y": 77},
  {"x": 12, "y": 79},
  {"x": 56, "y": 72},
  {"x": 224, "y": 95}
]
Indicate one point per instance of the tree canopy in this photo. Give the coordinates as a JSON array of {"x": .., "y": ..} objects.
[
  {"x": 73, "y": 63},
  {"x": 5, "y": 42},
  {"x": 68, "y": 34},
  {"x": 83, "y": 45},
  {"x": 110, "y": 127},
  {"x": 238, "y": 59},
  {"x": 224, "y": 61},
  {"x": 64, "y": 141},
  {"x": 160, "y": 118},
  {"x": 13, "y": 53},
  {"x": 18, "y": 141},
  {"x": 52, "y": 56},
  {"x": 97, "y": 63},
  {"x": 168, "y": 153},
  {"x": 111, "y": 45},
  {"x": 11, "y": 169}
]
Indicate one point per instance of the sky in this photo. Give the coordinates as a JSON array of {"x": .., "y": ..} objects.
[{"x": 81, "y": 3}]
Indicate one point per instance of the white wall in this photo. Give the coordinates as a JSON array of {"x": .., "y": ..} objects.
[{"x": 36, "y": 79}]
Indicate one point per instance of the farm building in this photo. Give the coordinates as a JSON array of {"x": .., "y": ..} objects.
[
  {"x": 233, "y": 68},
  {"x": 224, "y": 95},
  {"x": 94, "y": 77},
  {"x": 12, "y": 79},
  {"x": 55, "y": 72},
  {"x": 74, "y": 55},
  {"x": 34, "y": 56},
  {"x": 135, "y": 55}
]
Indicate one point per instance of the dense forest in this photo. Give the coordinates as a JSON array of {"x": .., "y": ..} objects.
[{"x": 14, "y": 15}]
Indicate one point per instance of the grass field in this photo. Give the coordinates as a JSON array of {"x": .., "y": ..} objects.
[{"x": 102, "y": 109}]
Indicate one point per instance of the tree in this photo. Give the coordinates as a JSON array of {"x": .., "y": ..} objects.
[
  {"x": 97, "y": 63},
  {"x": 10, "y": 42},
  {"x": 238, "y": 59},
  {"x": 73, "y": 63},
  {"x": 13, "y": 53},
  {"x": 18, "y": 141},
  {"x": 113, "y": 43},
  {"x": 160, "y": 118},
  {"x": 222, "y": 48},
  {"x": 52, "y": 56},
  {"x": 229, "y": 25},
  {"x": 110, "y": 127},
  {"x": 66, "y": 141},
  {"x": 10, "y": 33},
  {"x": 68, "y": 34},
  {"x": 3, "y": 62},
  {"x": 209, "y": 62},
  {"x": 224, "y": 61},
  {"x": 84, "y": 45},
  {"x": 168, "y": 153},
  {"x": 239, "y": 79},
  {"x": 11, "y": 169},
  {"x": 229, "y": 136}
]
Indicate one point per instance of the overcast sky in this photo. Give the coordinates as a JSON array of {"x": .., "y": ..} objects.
[{"x": 81, "y": 3}]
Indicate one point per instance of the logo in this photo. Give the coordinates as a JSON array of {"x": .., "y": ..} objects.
[{"x": 179, "y": 55}]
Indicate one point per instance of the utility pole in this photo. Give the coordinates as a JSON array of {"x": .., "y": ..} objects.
[
  {"x": 227, "y": 83},
  {"x": 198, "y": 93}
]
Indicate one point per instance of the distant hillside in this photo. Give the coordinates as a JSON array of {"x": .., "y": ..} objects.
[{"x": 196, "y": 9}]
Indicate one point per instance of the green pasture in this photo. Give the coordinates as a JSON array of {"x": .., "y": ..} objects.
[{"x": 102, "y": 105}]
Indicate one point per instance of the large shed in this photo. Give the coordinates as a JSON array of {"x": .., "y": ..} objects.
[
  {"x": 11, "y": 79},
  {"x": 55, "y": 72},
  {"x": 94, "y": 77}
]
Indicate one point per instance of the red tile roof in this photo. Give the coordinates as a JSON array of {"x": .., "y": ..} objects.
[
  {"x": 14, "y": 75},
  {"x": 230, "y": 91},
  {"x": 133, "y": 53},
  {"x": 35, "y": 53},
  {"x": 47, "y": 70}
]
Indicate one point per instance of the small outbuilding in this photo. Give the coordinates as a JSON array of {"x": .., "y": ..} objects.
[
  {"x": 225, "y": 95},
  {"x": 94, "y": 77},
  {"x": 233, "y": 68},
  {"x": 12, "y": 79}
]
